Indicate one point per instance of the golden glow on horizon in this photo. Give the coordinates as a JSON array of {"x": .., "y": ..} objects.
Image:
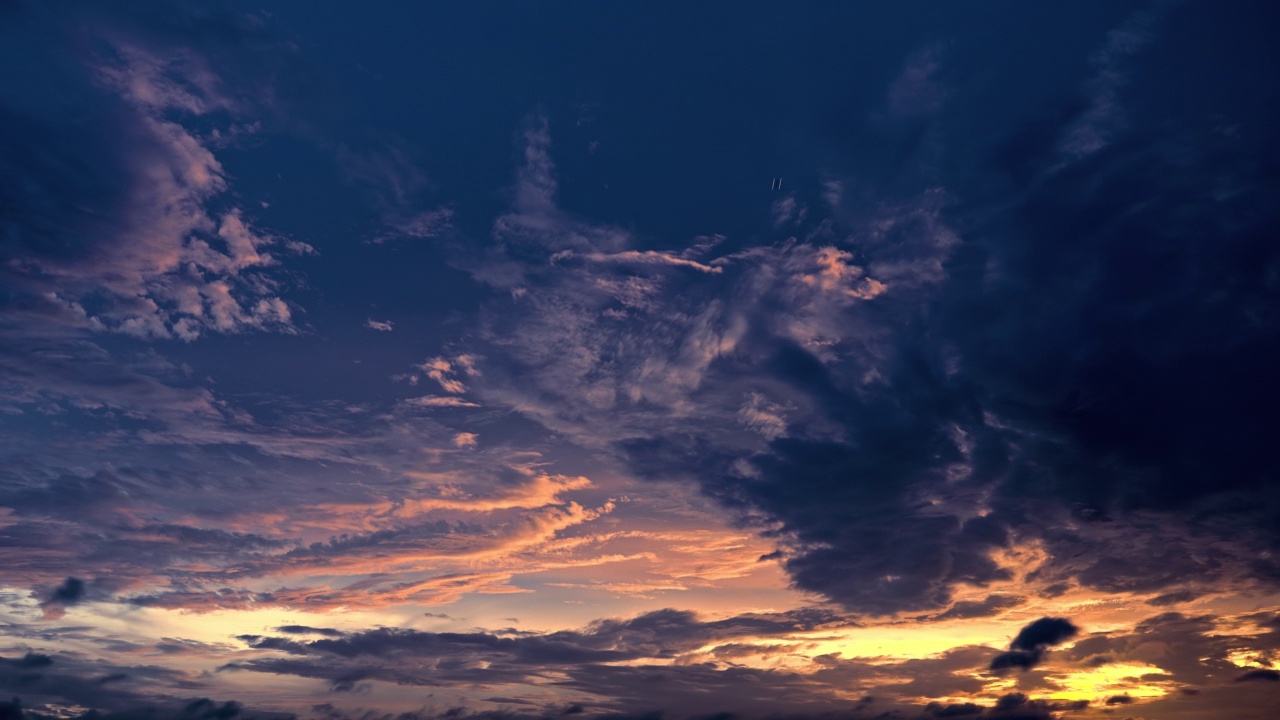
[
  {"x": 1097, "y": 684},
  {"x": 907, "y": 641}
]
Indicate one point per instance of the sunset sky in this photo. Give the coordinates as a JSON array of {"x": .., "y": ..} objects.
[{"x": 465, "y": 361}]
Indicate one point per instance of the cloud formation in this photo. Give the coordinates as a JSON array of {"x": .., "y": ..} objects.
[
  {"x": 1029, "y": 646},
  {"x": 666, "y": 445},
  {"x": 122, "y": 223}
]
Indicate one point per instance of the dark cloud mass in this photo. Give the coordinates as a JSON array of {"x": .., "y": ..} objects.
[
  {"x": 1044, "y": 633},
  {"x": 1029, "y": 646},
  {"x": 673, "y": 360},
  {"x": 69, "y": 592},
  {"x": 1264, "y": 674}
]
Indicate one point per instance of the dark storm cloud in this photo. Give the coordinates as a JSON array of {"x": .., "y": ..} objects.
[{"x": 1264, "y": 674}]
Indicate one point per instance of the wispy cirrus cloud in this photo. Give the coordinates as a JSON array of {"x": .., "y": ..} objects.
[
  {"x": 1105, "y": 115},
  {"x": 438, "y": 401},
  {"x": 637, "y": 257},
  {"x": 399, "y": 192}
]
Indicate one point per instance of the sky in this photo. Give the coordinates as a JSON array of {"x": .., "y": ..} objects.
[{"x": 466, "y": 361}]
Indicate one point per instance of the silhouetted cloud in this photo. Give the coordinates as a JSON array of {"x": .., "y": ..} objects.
[
  {"x": 1029, "y": 646},
  {"x": 1043, "y": 633},
  {"x": 1264, "y": 674},
  {"x": 306, "y": 630}
]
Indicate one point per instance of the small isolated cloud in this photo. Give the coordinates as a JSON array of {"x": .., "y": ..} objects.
[
  {"x": 379, "y": 325},
  {"x": 1043, "y": 633},
  {"x": 446, "y": 372},
  {"x": 1028, "y": 648},
  {"x": 465, "y": 440},
  {"x": 70, "y": 592}
]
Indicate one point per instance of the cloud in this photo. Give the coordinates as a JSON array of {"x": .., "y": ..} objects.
[
  {"x": 1263, "y": 674},
  {"x": 933, "y": 401},
  {"x": 431, "y": 401},
  {"x": 1104, "y": 116},
  {"x": 306, "y": 630},
  {"x": 594, "y": 660},
  {"x": 762, "y": 416},
  {"x": 121, "y": 690},
  {"x": 379, "y": 325},
  {"x": 832, "y": 273},
  {"x": 125, "y": 220},
  {"x": 616, "y": 361},
  {"x": 398, "y": 552},
  {"x": 445, "y": 372},
  {"x": 637, "y": 257},
  {"x": 991, "y": 605},
  {"x": 1044, "y": 633},
  {"x": 1029, "y": 646},
  {"x": 70, "y": 592},
  {"x": 917, "y": 89},
  {"x": 397, "y": 189}
]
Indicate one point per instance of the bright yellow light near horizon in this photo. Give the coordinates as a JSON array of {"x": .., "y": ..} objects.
[
  {"x": 905, "y": 641},
  {"x": 1097, "y": 684}
]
